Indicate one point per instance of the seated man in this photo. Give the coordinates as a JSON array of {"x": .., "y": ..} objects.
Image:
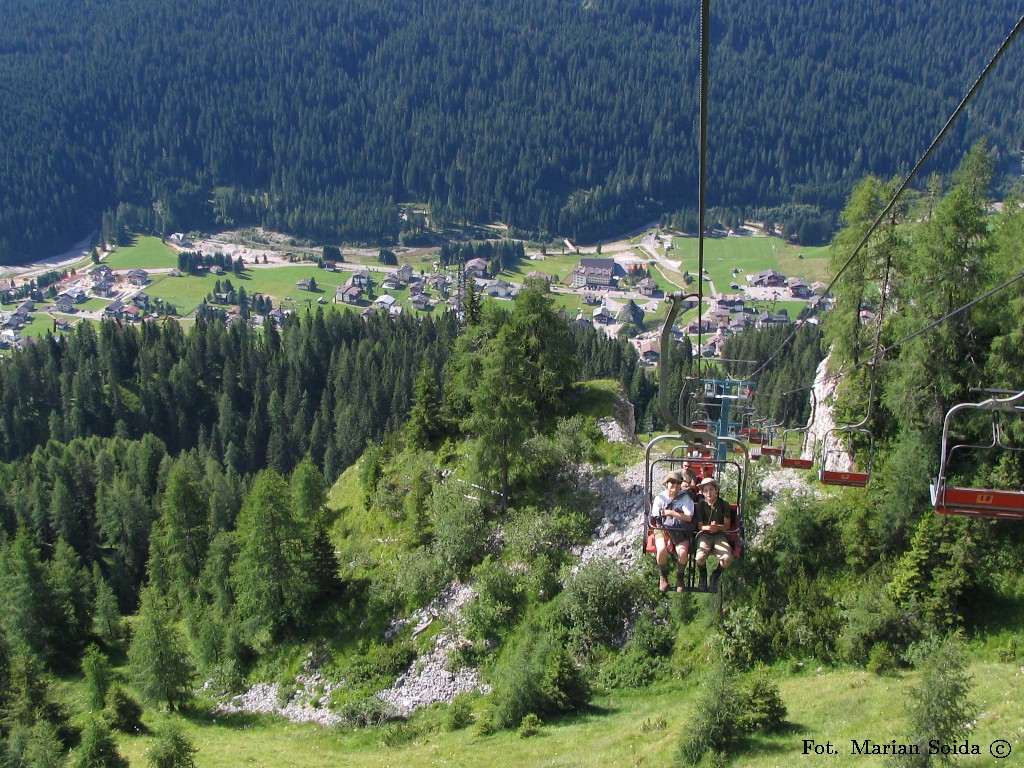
[
  {"x": 672, "y": 516},
  {"x": 714, "y": 517}
]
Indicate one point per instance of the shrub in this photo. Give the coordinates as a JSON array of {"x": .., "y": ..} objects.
[
  {"x": 629, "y": 669},
  {"x": 873, "y": 619},
  {"x": 939, "y": 705},
  {"x": 459, "y": 714},
  {"x": 484, "y": 725},
  {"x": 597, "y": 602},
  {"x": 418, "y": 577},
  {"x": 763, "y": 709},
  {"x": 380, "y": 664},
  {"x": 172, "y": 749},
  {"x": 535, "y": 673},
  {"x": 530, "y": 726},
  {"x": 498, "y": 602},
  {"x": 748, "y": 637},
  {"x": 882, "y": 660},
  {"x": 713, "y": 727},
  {"x": 460, "y": 532}
]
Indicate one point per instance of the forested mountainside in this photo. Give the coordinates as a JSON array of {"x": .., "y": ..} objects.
[{"x": 559, "y": 117}]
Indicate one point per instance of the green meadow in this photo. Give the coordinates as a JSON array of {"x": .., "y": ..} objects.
[
  {"x": 638, "y": 727},
  {"x": 750, "y": 255}
]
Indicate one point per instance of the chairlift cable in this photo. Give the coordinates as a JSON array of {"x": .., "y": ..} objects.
[
  {"x": 961, "y": 107},
  {"x": 705, "y": 44}
]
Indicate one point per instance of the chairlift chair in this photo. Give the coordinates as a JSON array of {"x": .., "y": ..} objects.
[
  {"x": 993, "y": 503},
  {"x": 667, "y": 452},
  {"x": 798, "y": 461},
  {"x": 836, "y": 441}
]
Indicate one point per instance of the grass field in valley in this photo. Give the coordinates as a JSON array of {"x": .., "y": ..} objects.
[
  {"x": 750, "y": 255},
  {"x": 631, "y": 728}
]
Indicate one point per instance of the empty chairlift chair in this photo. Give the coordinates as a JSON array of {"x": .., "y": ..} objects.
[
  {"x": 996, "y": 503},
  {"x": 836, "y": 443}
]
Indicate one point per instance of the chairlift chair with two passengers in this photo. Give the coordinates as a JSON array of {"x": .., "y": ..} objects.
[
  {"x": 727, "y": 458},
  {"x": 949, "y": 498}
]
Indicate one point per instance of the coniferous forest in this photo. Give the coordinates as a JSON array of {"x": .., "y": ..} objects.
[{"x": 557, "y": 117}]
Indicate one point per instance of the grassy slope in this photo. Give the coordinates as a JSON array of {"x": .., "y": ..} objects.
[{"x": 623, "y": 730}]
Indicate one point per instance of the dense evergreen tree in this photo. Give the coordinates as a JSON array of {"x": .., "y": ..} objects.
[{"x": 157, "y": 660}]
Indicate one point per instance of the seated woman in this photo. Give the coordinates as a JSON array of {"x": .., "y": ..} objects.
[
  {"x": 714, "y": 517},
  {"x": 672, "y": 517}
]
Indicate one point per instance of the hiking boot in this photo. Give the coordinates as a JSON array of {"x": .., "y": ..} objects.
[
  {"x": 663, "y": 583},
  {"x": 680, "y": 582},
  {"x": 714, "y": 580},
  {"x": 702, "y": 585}
]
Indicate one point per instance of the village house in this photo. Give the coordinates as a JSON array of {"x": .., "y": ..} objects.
[
  {"x": 141, "y": 300},
  {"x": 391, "y": 283},
  {"x": 138, "y": 277},
  {"x": 534, "y": 274},
  {"x": 348, "y": 294},
  {"x": 731, "y": 302},
  {"x": 594, "y": 273},
  {"x": 649, "y": 351},
  {"x": 769, "y": 320},
  {"x": 104, "y": 288},
  {"x": 304, "y": 284},
  {"x": 647, "y": 287},
  {"x": 581, "y": 320},
  {"x": 404, "y": 273},
  {"x": 603, "y": 316},
  {"x": 501, "y": 289},
  {"x": 361, "y": 278},
  {"x": 113, "y": 309},
  {"x": 798, "y": 288},
  {"x": 10, "y": 338},
  {"x": 769, "y": 278},
  {"x": 385, "y": 302},
  {"x": 438, "y": 282},
  {"x": 420, "y": 302},
  {"x": 477, "y": 268}
]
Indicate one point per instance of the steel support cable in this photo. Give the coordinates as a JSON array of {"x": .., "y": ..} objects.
[
  {"x": 705, "y": 44},
  {"x": 961, "y": 107},
  {"x": 897, "y": 344},
  {"x": 677, "y": 297}
]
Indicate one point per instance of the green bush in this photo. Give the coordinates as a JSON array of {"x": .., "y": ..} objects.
[
  {"x": 498, "y": 603},
  {"x": 762, "y": 706},
  {"x": 598, "y": 601},
  {"x": 418, "y": 577},
  {"x": 882, "y": 660},
  {"x": 535, "y": 673},
  {"x": 629, "y": 669},
  {"x": 380, "y": 664},
  {"x": 939, "y": 705},
  {"x": 460, "y": 530},
  {"x": 874, "y": 619},
  {"x": 459, "y": 714},
  {"x": 530, "y": 726},
  {"x": 748, "y": 637},
  {"x": 714, "y": 726}
]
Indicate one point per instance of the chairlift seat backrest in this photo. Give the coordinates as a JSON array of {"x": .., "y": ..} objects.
[
  {"x": 847, "y": 479},
  {"x": 979, "y": 502},
  {"x": 789, "y": 462}
]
